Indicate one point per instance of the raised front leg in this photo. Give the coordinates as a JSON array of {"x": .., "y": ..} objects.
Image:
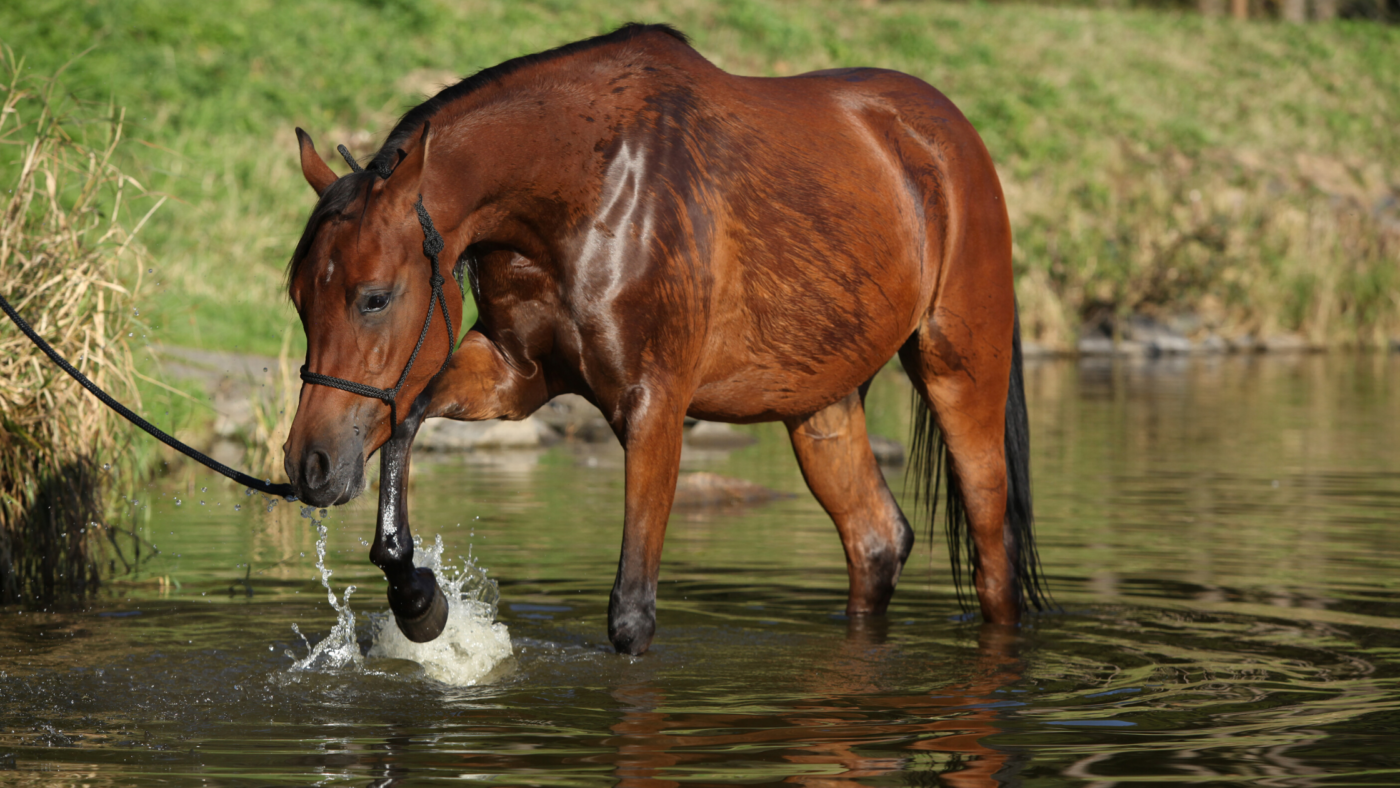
[
  {"x": 650, "y": 429},
  {"x": 420, "y": 609},
  {"x": 478, "y": 384},
  {"x": 833, "y": 450}
]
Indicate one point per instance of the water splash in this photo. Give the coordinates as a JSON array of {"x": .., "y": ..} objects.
[
  {"x": 339, "y": 650},
  {"x": 472, "y": 644},
  {"x": 470, "y": 647}
]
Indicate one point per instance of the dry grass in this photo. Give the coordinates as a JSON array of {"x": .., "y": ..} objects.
[
  {"x": 70, "y": 267},
  {"x": 1243, "y": 244},
  {"x": 273, "y": 415}
]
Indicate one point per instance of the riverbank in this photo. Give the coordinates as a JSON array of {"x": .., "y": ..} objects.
[{"x": 1155, "y": 164}]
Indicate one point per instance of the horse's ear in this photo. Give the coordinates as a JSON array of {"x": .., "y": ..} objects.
[
  {"x": 408, "y": 173},
  {"x": 317, "y": 173}
]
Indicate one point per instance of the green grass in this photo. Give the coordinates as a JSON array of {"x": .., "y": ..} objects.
[{"x": 1104, "y": 124}]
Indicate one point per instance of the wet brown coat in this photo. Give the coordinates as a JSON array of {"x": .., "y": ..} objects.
[{"x": 664, "y": 238}]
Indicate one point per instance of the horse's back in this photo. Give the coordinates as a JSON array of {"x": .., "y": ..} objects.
[{"x": 842, "y": 189}]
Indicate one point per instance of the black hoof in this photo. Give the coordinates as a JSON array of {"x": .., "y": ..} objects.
[
  {"x": 428, "y": 624},
  {"x": 632, "y": 634}
]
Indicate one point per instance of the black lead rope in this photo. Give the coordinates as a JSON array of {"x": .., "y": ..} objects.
[
  {"x": 281, "y": 490},
  {"x": 432, "y": 247}
]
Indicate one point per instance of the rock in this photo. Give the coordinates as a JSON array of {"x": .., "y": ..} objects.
[
  {"x": 695, "y": 490},
  {"x": 1096, "y": 345},
  {"x": 1244, "y": 343},
  {"x": 1033, "y": 349},
  {"x": 446, "y": 435},
  {"x": 1140, "y": 335},
  {"x": 1285, "y": 343},
  {"x": 1156, "y": 338},
  {"x": 1167, "y": 345},
  {"x": 887, "y": 451},
  {"x": 716, "y": 435},
  {"x": 574, "y": 417},
  {"x": 1212, "y": 343}
]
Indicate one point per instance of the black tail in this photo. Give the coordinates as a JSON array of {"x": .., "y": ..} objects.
[{"x": 929, "y": 467}]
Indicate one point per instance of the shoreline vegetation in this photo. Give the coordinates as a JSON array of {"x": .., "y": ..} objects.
[
  {"x": 1219, "y": 180},
  {"x": 69, "y": 264}
]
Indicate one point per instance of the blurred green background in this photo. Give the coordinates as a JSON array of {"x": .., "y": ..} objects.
[{"x": 1245, "y": 175}]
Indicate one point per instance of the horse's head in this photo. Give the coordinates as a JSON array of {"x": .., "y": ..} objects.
[{"x": 362, "y": 284}]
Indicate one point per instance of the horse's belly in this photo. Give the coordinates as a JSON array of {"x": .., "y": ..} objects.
[{"x": 771, "y": 387}]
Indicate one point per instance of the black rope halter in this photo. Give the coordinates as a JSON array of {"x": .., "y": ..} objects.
[{"x": 432, "y": 247}]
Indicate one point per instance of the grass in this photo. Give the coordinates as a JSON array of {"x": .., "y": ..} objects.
[
  {"x": 1247, "y": 174},
  {"x": 69, "y": 264}
]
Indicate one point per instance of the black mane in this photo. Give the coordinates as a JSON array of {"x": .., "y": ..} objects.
[{"x": 345, "y": 190}]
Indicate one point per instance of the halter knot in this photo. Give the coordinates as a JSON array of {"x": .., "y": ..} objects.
[{"x": 432, "y": 241}]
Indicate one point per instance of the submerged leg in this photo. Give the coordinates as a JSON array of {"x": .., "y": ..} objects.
[
  {"x": 651, "y": 434},
  {"x": 419, "y": 606},
  {"x": 833, "y": 450}
]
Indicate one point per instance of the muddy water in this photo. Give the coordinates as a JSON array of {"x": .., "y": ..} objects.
[{"x": 1221, "y": 535}]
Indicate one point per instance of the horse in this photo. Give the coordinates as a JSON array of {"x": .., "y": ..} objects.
[{"x": 666, "y": 239}]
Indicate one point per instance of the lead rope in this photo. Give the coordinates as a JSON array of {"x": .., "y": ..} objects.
[
  {"x": 432, "y": 247},
  {"x": 263, "y": 486}
]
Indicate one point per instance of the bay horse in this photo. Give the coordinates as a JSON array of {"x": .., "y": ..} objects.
[{"x": 667, "y": 239}]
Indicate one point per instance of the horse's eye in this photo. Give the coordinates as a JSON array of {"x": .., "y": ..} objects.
[{"x": 375, "y": 302}]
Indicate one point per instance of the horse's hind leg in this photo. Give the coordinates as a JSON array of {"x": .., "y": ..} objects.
[
  {"x": 834, "y": 451},
  {"x": 960, "y": 362}
]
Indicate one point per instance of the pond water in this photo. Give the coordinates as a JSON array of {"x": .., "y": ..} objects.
[{"x": 1220, "y": 534}]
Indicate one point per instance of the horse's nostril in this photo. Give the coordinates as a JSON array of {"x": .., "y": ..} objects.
[{"x": 316, "y": 469}]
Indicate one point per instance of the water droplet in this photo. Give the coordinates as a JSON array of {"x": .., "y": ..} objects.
[{"x": 150, "y": 270}]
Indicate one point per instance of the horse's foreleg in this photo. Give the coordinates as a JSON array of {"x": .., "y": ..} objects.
[
  {"x": 651, "y": 434},
  {"x": 833, "y": 450},
  {"x": 479, "y": 383},
  {"x": 418, "y": 603}
]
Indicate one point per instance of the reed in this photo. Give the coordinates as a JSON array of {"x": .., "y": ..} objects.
[
  {"x": 273, "y": 412},
  {"x": 68, "y": 264}
]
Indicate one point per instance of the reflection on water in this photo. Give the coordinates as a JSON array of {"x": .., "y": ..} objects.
[{"x": 1220, "y": 533}]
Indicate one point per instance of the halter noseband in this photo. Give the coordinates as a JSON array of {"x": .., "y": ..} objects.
[{"x": 432, "y": 246}]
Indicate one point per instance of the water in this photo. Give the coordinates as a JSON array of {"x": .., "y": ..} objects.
[{"x": 1220, "y": 533}]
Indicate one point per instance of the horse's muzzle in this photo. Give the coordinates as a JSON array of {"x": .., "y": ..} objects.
[{"x": 325, "y": 475}]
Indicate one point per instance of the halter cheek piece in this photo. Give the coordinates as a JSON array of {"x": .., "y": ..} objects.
[{"x": 432, "y": 246}]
